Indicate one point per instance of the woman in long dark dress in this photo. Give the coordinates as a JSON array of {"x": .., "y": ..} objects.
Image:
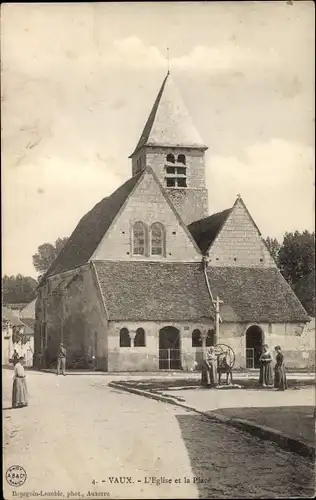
[
  {"x": 209, "y": 369},
  {"x": 266, "y": 373},
  {"x": 19, "y": 389},
  {"x": 279, "y": 370}
]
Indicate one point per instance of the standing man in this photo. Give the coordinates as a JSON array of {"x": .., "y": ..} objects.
[{"x": 61, "y": 359}]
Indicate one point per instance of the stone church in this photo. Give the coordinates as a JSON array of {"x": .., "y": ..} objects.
[{"x": 134, "y": 287}]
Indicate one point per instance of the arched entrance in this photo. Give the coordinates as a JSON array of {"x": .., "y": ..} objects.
[
  {"x": 254, "y": 340},
  {"x": 169, "y": 348}
]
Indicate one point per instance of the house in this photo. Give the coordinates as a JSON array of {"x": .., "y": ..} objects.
[
  {"x": 17, "y": 334},
  {"x": 134, "y": 286}
]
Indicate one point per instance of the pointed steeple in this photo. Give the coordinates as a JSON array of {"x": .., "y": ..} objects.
[{"x": 169, "y": 123}]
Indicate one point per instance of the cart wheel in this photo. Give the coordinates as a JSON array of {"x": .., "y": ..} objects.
[{"x": 222, "y": 350}]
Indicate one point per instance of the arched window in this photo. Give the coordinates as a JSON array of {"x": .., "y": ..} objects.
[
  {"x": 125, "y": 340},
  {"x": 181, "y": 159},
  {"x": 170, "y": 158},
  {"x": 210, "y": 339},
  {"x": 139, "y": 239},
  {"x": 139, "y": 340},
  {"x": 157, "y": 239},
  {"x": 196, "y": 338}
]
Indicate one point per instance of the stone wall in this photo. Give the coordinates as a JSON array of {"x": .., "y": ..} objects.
[
  {"x": 147, "y": 358},
  {"x": 147, "y": 204},
  {"x": 239, "y": 243},
  {"x": 296, "y": 340},
  {"x": 190, "y": 202},
  {"x": 77, "y": 316}
]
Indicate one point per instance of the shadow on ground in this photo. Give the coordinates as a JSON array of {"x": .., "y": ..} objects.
[
  {"x": 296, "y": 421},
  {"x": 157, "y": 385},
  {"x": 231, "y": 464}
]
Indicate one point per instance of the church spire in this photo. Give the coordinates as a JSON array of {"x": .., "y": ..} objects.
[
  {"x": 171, "y": 146},
  {"x": 169, "y": 123}
]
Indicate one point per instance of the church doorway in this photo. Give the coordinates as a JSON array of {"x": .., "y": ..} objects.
[
  {"x": 169, "y": 348},
  {"x": 254, "y": 341}
]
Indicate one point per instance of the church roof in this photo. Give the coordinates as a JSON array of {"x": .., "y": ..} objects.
[
  {"x": 156, "y": 291},
  {"x": 91, "y": 229},
  {"x": 204, "y": 231},
  {"x": 153, "y": 291},
  {"x": 256, "y": 294},
  {"x": 169, "y": 122}
]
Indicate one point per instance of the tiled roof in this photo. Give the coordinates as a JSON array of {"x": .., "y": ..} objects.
[
  {"x": 9, "y": 316},
  {"x": 204, "y": 231},
  {"x": 256, "y": 294},
  {"x": 139, "y": 291},
  {"x": 30, "y": 322},
  {"x": 91, "y": 229},
  {"x": 153, "y": 291},
  {"x": 29, "y": 310},
  {"x": 169, "y": 122}
]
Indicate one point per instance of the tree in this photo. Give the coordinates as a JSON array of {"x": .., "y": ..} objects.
[
  {"x": 305, "y": 291},
  {"x": 297, "y": 256},
  {"x": 47, "y": 253},
  {"x": 18, "y": 289},
  {"x": 296, "y": 261},
  {"x": 274, "y": 247}
]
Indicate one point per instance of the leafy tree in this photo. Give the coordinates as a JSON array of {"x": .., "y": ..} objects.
[
  {"x": 46, "y": 254},
  {"x": 296, "y": 261},
  {"x": 305, "y": 291},
  {"x": 297, "y": 256},
  {"x": 18, "y": 289},
  {"x": 274, "y": 247}
]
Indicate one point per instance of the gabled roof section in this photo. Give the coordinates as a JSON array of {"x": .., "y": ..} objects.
[
  {"x": 256, "y": 294},
  {"x": 205, "y": 231},
  {"x": 169, "y": 122},
  {"x": 153, "y": 291},
  {"x": 10, "y": 316},
  {"x": 30, "y": 323},
  {"x": 91, "y": 229},
  {"x": 28, "y": 311}
]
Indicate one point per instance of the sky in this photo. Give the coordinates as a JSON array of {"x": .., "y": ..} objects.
[{"x": 78, "y": 83}]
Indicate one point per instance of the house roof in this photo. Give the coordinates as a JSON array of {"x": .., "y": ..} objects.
[
  {"x": 91, "y": 229},
  {"x": 9, "y": 316},
  {"x": 139, "y": 291},
  {"x": 30, "y": 323},
  {"x": 29, "y": 310},
  {"x": 204, "y": 231},
  {"x": 169, "y": 122}
]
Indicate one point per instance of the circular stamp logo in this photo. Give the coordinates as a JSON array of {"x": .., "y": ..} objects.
[{"x": 16, "y": 475}]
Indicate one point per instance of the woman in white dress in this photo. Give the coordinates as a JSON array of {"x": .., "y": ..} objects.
[{"x": 19, "y": 390}]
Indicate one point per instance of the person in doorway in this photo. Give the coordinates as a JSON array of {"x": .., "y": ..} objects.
[
  {"x": 19, "y": 389},
  {"x": 61, "y": 359},
  {"x": 279, "y": 371},
  {"x": 266, "y": 374},
  {"x": 209, "y": 369}
]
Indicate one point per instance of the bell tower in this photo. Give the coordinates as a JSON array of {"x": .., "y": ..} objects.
[{"x": 172, "y": 147}]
